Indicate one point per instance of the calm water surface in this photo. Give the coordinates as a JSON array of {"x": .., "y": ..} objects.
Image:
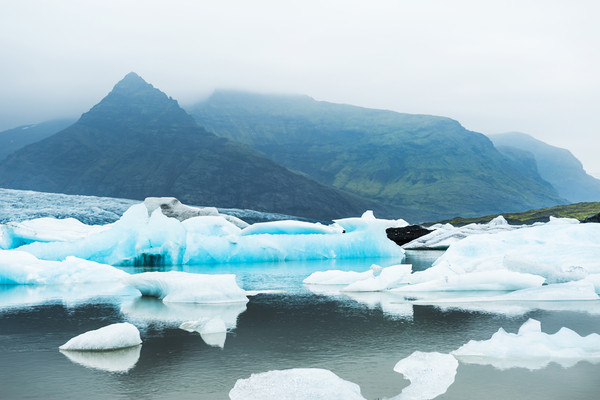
[{"x": 359, "y": 338}]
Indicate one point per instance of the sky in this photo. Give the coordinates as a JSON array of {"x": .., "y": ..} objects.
[{"x": 495, "y": 66}]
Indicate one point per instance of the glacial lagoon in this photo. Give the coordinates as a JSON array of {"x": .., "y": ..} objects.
[{"x": 359, "y": 337}]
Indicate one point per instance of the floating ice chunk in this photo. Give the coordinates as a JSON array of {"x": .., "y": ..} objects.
[
  {"x": 290, "y": 227},
  {"x": 22, "y": 268},
  {"x": 184, "y": 287},
  {"x": 45, "y": 230},
  {"x": 368, "y": 221},
  {"x": 298, "y": 383},
  {"x": 578, "y": 290},
  {"x": 562, "y": 221},
  {"x": 111, "y": 337},
  {"x": 558, "y": 252},
  {"x": 121, "y": 360},
  {"x": 477, "y": 281},
  {"x": 430, "y": 375},
  {"x": 531, "y": 348},
  {"x": 336, "y": 277},
  {"x": 213, "y": 331},
  {"x": 388, "y": 278},
  {"x": 139, "y": 239},
  {"x": 445, "y": 235}
]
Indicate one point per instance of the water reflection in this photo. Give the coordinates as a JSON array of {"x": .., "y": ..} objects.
[{"x": 121, "y": 360}]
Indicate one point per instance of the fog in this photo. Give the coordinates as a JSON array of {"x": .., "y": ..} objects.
[{"x": 528, "y": 66}]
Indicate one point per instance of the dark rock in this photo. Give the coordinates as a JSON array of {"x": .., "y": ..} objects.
[
  {"x": 592, "y": 218},
  {"x": 407, "y": 234}
]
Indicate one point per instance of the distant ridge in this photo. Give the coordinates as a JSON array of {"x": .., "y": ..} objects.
[
  {"x": 14, "y": 139},
  {"x": 137, "y": 142},
  {"x": 428, "y": 164},
  {"x": 555, "y": 165}
]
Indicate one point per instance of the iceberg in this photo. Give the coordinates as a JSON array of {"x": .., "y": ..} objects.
[
  {"x": 430, "y": 375},
  {"x": 531, "y": 348},
  {"x": 498, "y": 280},
  {"x": 111, "y": 337},
  {"x": 120, "y": 361},
  {"x": 388, "y": 278},
  {"x": 22, "y": 268},
  {"x": 560, "y": 252},
  {"x": 15, "y": 234},
  {"x": 185, "y": 287},
  {"x": 373, "y": 280},
  {"x": 444, "y": 235},
  {"x": 141, "y": 239},
  {"x": 305, "y": 383},
  {"x": 213, "y": 331}
]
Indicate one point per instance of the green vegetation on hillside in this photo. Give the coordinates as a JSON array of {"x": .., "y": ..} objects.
[
  {"x": 137, "y": 142},
  {"x": 430, "y": 165},
  {"x": 578, "y": 211}
]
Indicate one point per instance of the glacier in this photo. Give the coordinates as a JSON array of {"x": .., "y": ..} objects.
[
  {"x": 531, "y": 348},
  {"x": 430, "y": 375},
  {"x": 297, "y": 383},
  {"x": 111, "y": 337},
  {"x": 141, "y": 239}
]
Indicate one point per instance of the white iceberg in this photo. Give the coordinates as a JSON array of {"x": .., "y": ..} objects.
[
  {"x": 293, "y": 384},
  {"x": 336, "y": 277},
  {"x": 121, "y": 360},
  {"x": 213, "y": 331},
  {"x": 430, "y": 375},
  {"x": 388, "y": 278},
  {"x": 45, "y": 229},
  {"x": 375, "y": 279},
  {"x": 444, "y": 235},
  {"x": 140, "y": 239},
  {"x": 498, "y": 280},
  {"x": 184, "y": 287},
  {"x": 22, "y": 268},
  {"x": 531, "y": 348},
  {"x": 111, "y": 337},
  {"x": 557, "y": 251}
]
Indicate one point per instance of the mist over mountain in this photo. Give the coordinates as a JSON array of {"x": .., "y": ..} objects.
[
  {"x": 138, "y": 142},
  {"x": 12, "y": 140},
  {"x": 554, "y": 164},
  {"x": 429, "y": 164}
]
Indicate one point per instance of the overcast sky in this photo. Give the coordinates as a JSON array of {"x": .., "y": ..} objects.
[{"x": 495, "y": 66}]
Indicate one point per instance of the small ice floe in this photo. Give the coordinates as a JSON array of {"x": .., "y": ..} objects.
[
  {"x": 21, "y": 268},
  {"x": 373, "y": 280},
  {"x": 184, "y": 287},
  {"x": 531, "y": 348},
  {"x": 213, "y": 331},
  {"x": 293, "y": 384},
  {"x": 498, "y": 280},
  {"x": 430, "y": 375},
  {"x": 121, "y": 360},
  {"x": 111, "y": 337}
]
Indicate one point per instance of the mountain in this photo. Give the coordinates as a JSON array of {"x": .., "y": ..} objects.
[
  {"x": 12, "y": 140},
  {"x": 138, "y": 142},
  {"x": 429, "y": 164},
  {"x": 556, "y": 165}
]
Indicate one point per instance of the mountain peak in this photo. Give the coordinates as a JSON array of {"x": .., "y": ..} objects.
[
  {"x": 132, "y": 98},
  {"x": 132, "y": 83}
]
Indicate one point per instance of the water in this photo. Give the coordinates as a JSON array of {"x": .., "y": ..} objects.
[{"x": 360, "y": 339}]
